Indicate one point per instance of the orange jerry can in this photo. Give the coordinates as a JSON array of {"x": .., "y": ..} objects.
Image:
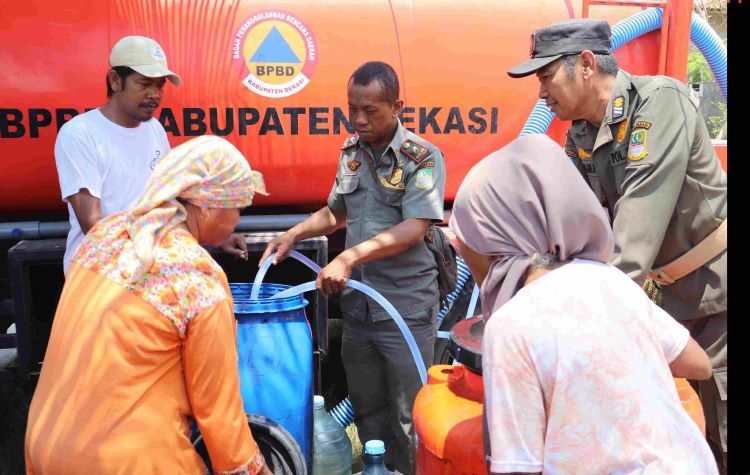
[
  {"x": 691, "y": 402},
  {"x": 448, "y": 409},
  {"x": 448, "y": 422}
]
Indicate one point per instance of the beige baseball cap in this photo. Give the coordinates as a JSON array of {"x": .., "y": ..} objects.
[{"x": 144, "y": 56}]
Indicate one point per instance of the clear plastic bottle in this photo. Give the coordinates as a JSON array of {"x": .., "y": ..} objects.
[
  {"x": 374, "y": 465},
  {"x": 332, "y": 449}
]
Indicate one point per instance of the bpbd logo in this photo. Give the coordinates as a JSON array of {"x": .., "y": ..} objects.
[{"x": 275, "y": 53}]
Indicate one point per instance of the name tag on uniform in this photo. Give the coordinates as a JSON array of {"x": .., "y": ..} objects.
[{"x": 617, "y": 157}]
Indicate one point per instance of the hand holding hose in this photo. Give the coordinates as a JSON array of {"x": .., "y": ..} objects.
[
  {"x": 281, "y": 245},
  {"x": 332, "y": 278}
]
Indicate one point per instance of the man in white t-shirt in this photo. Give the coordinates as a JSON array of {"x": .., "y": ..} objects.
[{"x": 105, "y": 156}]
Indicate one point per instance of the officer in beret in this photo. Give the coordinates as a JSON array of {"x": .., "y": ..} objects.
[
  {"x": 642, "y": 145},
  {"x": 389, "y": 188}
]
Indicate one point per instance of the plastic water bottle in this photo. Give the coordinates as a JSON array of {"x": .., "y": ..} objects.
[
  {"x": 374, "y": 453},
  {"x": 332, "y": 449}
]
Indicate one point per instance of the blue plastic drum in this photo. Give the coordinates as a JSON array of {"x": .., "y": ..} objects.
[{"x": 274, "y": 343}]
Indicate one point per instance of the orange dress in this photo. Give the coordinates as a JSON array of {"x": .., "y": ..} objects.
[{"x": 127, "y": 364}]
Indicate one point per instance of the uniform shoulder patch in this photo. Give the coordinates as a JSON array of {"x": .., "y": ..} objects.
[
  {"x": 571, "y": 153},
  {"x": 642, "y": 124},
  {"x": 350, "y": 142},
  {"x": 637, "y": 150},
  {"x": 414, "y": 151},
  {"x": 427, "y": 164},
  {"x": 424, "y": 179}
]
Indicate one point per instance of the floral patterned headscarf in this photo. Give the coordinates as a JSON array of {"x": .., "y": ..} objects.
[{"x": 206, "y": 171}]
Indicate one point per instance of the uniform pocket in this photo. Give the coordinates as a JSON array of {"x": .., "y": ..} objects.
[
  {"x": 347, "y": 184},
  {"x": 389, "y": 196}
]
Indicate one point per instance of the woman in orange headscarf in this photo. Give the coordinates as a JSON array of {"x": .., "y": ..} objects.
[{"x": 144, "y": 334}]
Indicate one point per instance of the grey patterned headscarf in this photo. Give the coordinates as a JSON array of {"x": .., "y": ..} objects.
[{"x": 527, "y": 198}]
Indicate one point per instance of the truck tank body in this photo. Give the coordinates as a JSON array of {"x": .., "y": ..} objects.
[{"x": 271, "y": 77}]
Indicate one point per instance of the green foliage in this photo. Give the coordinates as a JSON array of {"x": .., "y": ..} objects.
[
  {"x": 698, "y": 69},
  {"x": 699, "y": 72}
]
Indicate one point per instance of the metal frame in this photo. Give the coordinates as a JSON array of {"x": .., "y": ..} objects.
[
  {"x": 675, "y": 31},
  {"x": 256, "y": 243},
  {"x": 665, "y": 4},
  {"x": 20, "y": 258}
]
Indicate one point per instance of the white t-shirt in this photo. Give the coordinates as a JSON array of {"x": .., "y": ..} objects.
[
  {"x": 111, "y": 161},
  {"x": 576, "y": 378}
]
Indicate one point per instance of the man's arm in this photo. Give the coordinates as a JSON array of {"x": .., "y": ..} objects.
[
  {"x": 323, "y": 222},
  {"x": 390, "y": 242},
  {"x": 660, "y": 142},
  {"x": 78, "y": 168},
  {"x": 87, "y": 208}
]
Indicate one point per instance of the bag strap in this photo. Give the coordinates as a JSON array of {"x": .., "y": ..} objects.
[{"x": 710, "y": 247}]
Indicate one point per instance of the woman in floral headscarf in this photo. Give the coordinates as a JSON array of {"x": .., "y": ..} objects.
[
  {"x": 576, "y": 359},
  {"x": 144, "y": 337}
]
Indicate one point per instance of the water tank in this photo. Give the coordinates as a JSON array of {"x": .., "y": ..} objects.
[{"x": 270, "y": 76}]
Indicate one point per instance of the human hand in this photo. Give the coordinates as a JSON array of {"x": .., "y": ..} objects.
[
  {"x": 235, "y": 245},
  {"x": 332, "y": 278},
  {"x": 281, "y": 245}
]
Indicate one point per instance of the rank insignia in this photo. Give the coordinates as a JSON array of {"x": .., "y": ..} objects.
[
  {"x": 397, "y": 174},
  {"x": 387, "y": 184},
  {"x": 642, "y": 124},
  {"x": 618, "y": 107},
  {"x": 637, "y": 145},
  {"x": 414, "y": 151},
  {"x": 582, "y": 153},
  {"x": 622, "y": 130},
  {"x": 353, "y": 165},
  {"x": 424, "y": 179},
  {"x": 571, "y": 154},
  {"x": 350, "y": 142}
]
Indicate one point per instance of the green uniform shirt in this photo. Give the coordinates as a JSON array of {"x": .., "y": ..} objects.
[
  {"x": 651, "y": 162},
  {"x": 411, "y": 175}
]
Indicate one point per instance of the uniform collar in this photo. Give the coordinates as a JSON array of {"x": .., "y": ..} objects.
[
  {"x": 619, "y": 102},
  {"x": 580, "y": 127},
  {"x": 623, "y": 83},
  {"x": 394, "y": 145}
]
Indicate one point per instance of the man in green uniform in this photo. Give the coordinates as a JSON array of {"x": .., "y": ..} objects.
[
  {"x": 389, "y": 188},
  {"x": 642, "y": 145}
]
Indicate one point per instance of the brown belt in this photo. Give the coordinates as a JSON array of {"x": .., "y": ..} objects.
[{"x": 710, "y": 247}]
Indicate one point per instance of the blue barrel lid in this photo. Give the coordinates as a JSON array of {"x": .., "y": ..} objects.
[
  {"x": 375, "y": 447},
  {"x": 243, "y": 305}
]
